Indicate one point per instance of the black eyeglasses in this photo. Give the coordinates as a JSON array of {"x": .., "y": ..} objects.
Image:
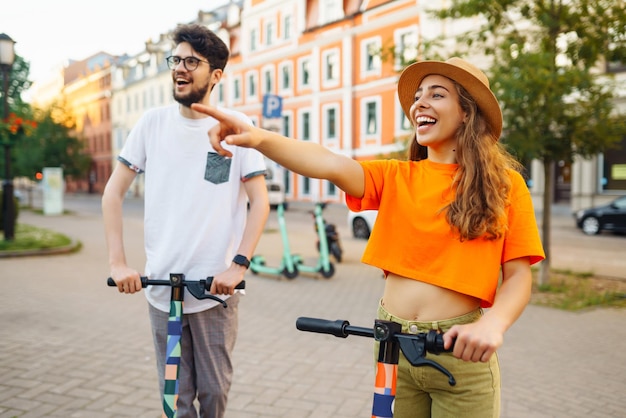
[{"x": 190, "y": 63}]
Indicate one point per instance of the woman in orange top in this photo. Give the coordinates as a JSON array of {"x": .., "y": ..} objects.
[{"x": 455, "y": 231}]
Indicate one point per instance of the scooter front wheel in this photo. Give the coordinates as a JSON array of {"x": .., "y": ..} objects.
[
  {"x": 291, "y": 274},
  {"x": 327, "y": 274}
]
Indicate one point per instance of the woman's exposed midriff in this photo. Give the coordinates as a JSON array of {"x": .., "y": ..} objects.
[{"x": 418, "y": 301}]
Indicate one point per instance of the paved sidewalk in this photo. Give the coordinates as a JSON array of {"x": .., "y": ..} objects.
[{"x": 71, "y": 347}]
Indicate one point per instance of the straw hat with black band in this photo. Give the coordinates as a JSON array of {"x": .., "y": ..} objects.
[{"x": 460, "y": 71}]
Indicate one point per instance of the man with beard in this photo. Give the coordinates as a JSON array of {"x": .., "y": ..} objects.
[{"x": 196, "y": 220}]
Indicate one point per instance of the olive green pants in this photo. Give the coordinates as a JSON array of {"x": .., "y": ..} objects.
[{"x": 424, "y": 392}]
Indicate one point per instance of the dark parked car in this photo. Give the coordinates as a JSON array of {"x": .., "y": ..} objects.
[{"x": 611, "y": 217}]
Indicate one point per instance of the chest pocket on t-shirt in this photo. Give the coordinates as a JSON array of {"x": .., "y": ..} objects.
[{"x": 217, "y": 168}]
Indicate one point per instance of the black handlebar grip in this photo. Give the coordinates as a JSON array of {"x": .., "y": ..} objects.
[
  {"x": 323, "y": 326},
  {"x": 434, "y": 343}
]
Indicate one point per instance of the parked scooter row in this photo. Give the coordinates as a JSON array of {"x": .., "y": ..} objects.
[{"x": 293, "y": 264}]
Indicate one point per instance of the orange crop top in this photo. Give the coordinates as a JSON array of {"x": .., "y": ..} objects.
[{"x": 412, "y": 238}]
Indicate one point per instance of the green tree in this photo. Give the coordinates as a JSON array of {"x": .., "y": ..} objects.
[
  {"x": 18, "y": 83},
  {"x": 546, "y": 56},
  {"x": 53, "y": 145}
]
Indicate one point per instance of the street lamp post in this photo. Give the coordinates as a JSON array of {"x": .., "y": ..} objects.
[{"x": 7, "y": 56}]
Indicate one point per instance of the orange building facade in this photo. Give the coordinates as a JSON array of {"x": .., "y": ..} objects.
[
  {"x": 87, "y": 93},
  {"x": 335, "y": 66}
]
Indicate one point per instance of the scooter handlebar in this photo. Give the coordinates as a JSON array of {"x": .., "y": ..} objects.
[{"x": 147, "y": 282}]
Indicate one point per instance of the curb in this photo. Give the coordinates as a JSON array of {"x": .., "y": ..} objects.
[{"x": 73, "y": 246}]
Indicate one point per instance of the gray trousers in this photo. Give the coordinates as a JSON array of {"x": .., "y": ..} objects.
[{"x": 206, "y": 369}]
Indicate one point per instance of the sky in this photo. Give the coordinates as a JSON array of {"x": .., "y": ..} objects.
[{"x": 48, "y": 33}]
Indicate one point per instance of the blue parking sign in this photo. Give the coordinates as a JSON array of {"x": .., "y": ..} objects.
[{"x": 272, "y": 106}]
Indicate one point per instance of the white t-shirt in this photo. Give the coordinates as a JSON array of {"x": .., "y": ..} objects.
[{"x": 195, "y": 204}]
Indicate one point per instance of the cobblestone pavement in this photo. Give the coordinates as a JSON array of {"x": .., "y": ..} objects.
[{"x": 71, "y": 347}]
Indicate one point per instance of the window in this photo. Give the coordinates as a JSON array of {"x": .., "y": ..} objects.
[
  {"x": 270, "y": 33},
  {"x": 330, "y": 123},
  {"x": 237, "y": 89},
  {"x": 287, "y": 29},
  {"x": 305, "y": 125},
  {"x": 613, "y": 166},
  {"x": 370, "y": 53},
  {"x": 331, "y": 189},
  {"x": 254, "y": 39},
  {"x": 402, "y": 123},
  {"x": 371, "y": 117},
  {"x": 330, "y": 11},
  {"x": 220, "y": 93},
  {"x": 285, "y": 70},
  {"x": 268, "y": 80},
  {"x": 306, "y": 186},
  {"x": 406, "y": 47},
  {"x": 287, "y": 124},
  {"x": 305, "y": 72},
  {"x": 251, "y": 90},
  {"x": 330, "y": 69}
]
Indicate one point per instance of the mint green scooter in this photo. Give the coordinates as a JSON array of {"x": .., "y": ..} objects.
[
  {"x": 289, "y": 262},
  {"x": 323, "y": 265}
]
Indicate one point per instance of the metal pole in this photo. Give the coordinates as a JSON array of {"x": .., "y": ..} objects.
[{"x": 8, "y": 207}]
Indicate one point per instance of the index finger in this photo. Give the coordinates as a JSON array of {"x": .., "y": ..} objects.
[
  {"x": 227, "y": 124},
  {"x": 211, "y": 111}
]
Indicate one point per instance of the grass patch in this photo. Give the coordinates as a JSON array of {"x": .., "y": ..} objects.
[
  {"x": 574, "y": 291},
  {"x": 28, "y": 237}
]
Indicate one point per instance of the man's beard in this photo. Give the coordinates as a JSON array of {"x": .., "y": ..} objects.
[{"x": 196, "y": 96}]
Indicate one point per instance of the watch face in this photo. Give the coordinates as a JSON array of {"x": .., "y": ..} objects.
[{"x": 241, "y": 260}]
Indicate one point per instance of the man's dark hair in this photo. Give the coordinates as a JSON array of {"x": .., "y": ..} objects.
[{"x": 204, "y": 42}]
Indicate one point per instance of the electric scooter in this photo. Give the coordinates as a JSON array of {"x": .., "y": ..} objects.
[
  {"x": 392, "y": 342},
  {"x": 288, "y": 266},
  {"x": 323, "y": 265},
  {"x": 198, "y": 289},
  {"x": 332, "y": 238}
]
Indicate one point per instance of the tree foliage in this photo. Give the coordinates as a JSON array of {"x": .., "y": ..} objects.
[
  {"x": 52, "y": 144},
  {"x": 18, "y": 83},
  {"x": 549, "y": 61}
]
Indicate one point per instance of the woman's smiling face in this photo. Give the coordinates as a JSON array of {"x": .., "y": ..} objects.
[{"x": 436, "y": 113}]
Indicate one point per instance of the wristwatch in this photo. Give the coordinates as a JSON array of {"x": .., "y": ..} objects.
[{"x": 242, "y": 260}]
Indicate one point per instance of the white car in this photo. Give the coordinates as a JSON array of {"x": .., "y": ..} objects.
[{"x": 361, "y": 223}]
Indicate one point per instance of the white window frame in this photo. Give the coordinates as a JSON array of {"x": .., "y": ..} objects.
[
  {"x": 371, "y": 49},
  {"x": 301, "y": 189},
  {"x": 287, "y": 118},
  {"x": 254, "y": 77},
  {"x": 287, "y": 27},
  {"x": 221, "y": 94},
  {"x": 237, "y": 92},
  {"x": 326, "y": 186},
  {"x": 331, "y": 141},
  {"x": 254, "y": 39},
  {"x": 400, "y": 119},
  {"x": 270, "y": 33},
  {"x": 371, "y": 138},
  {"x": 282, "y": 67},
  {"x": 301, "y": 67},
  {"x": 268, "y": 71},
  {"x": 331, "y": 77},
  {"x": 301, "y": 113},
  {"x": 330, "y": 11},
  {"x": 398, "y": 36}
]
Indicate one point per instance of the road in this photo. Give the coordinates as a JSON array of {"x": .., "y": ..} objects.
[{"x": 71, "y": 347}]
